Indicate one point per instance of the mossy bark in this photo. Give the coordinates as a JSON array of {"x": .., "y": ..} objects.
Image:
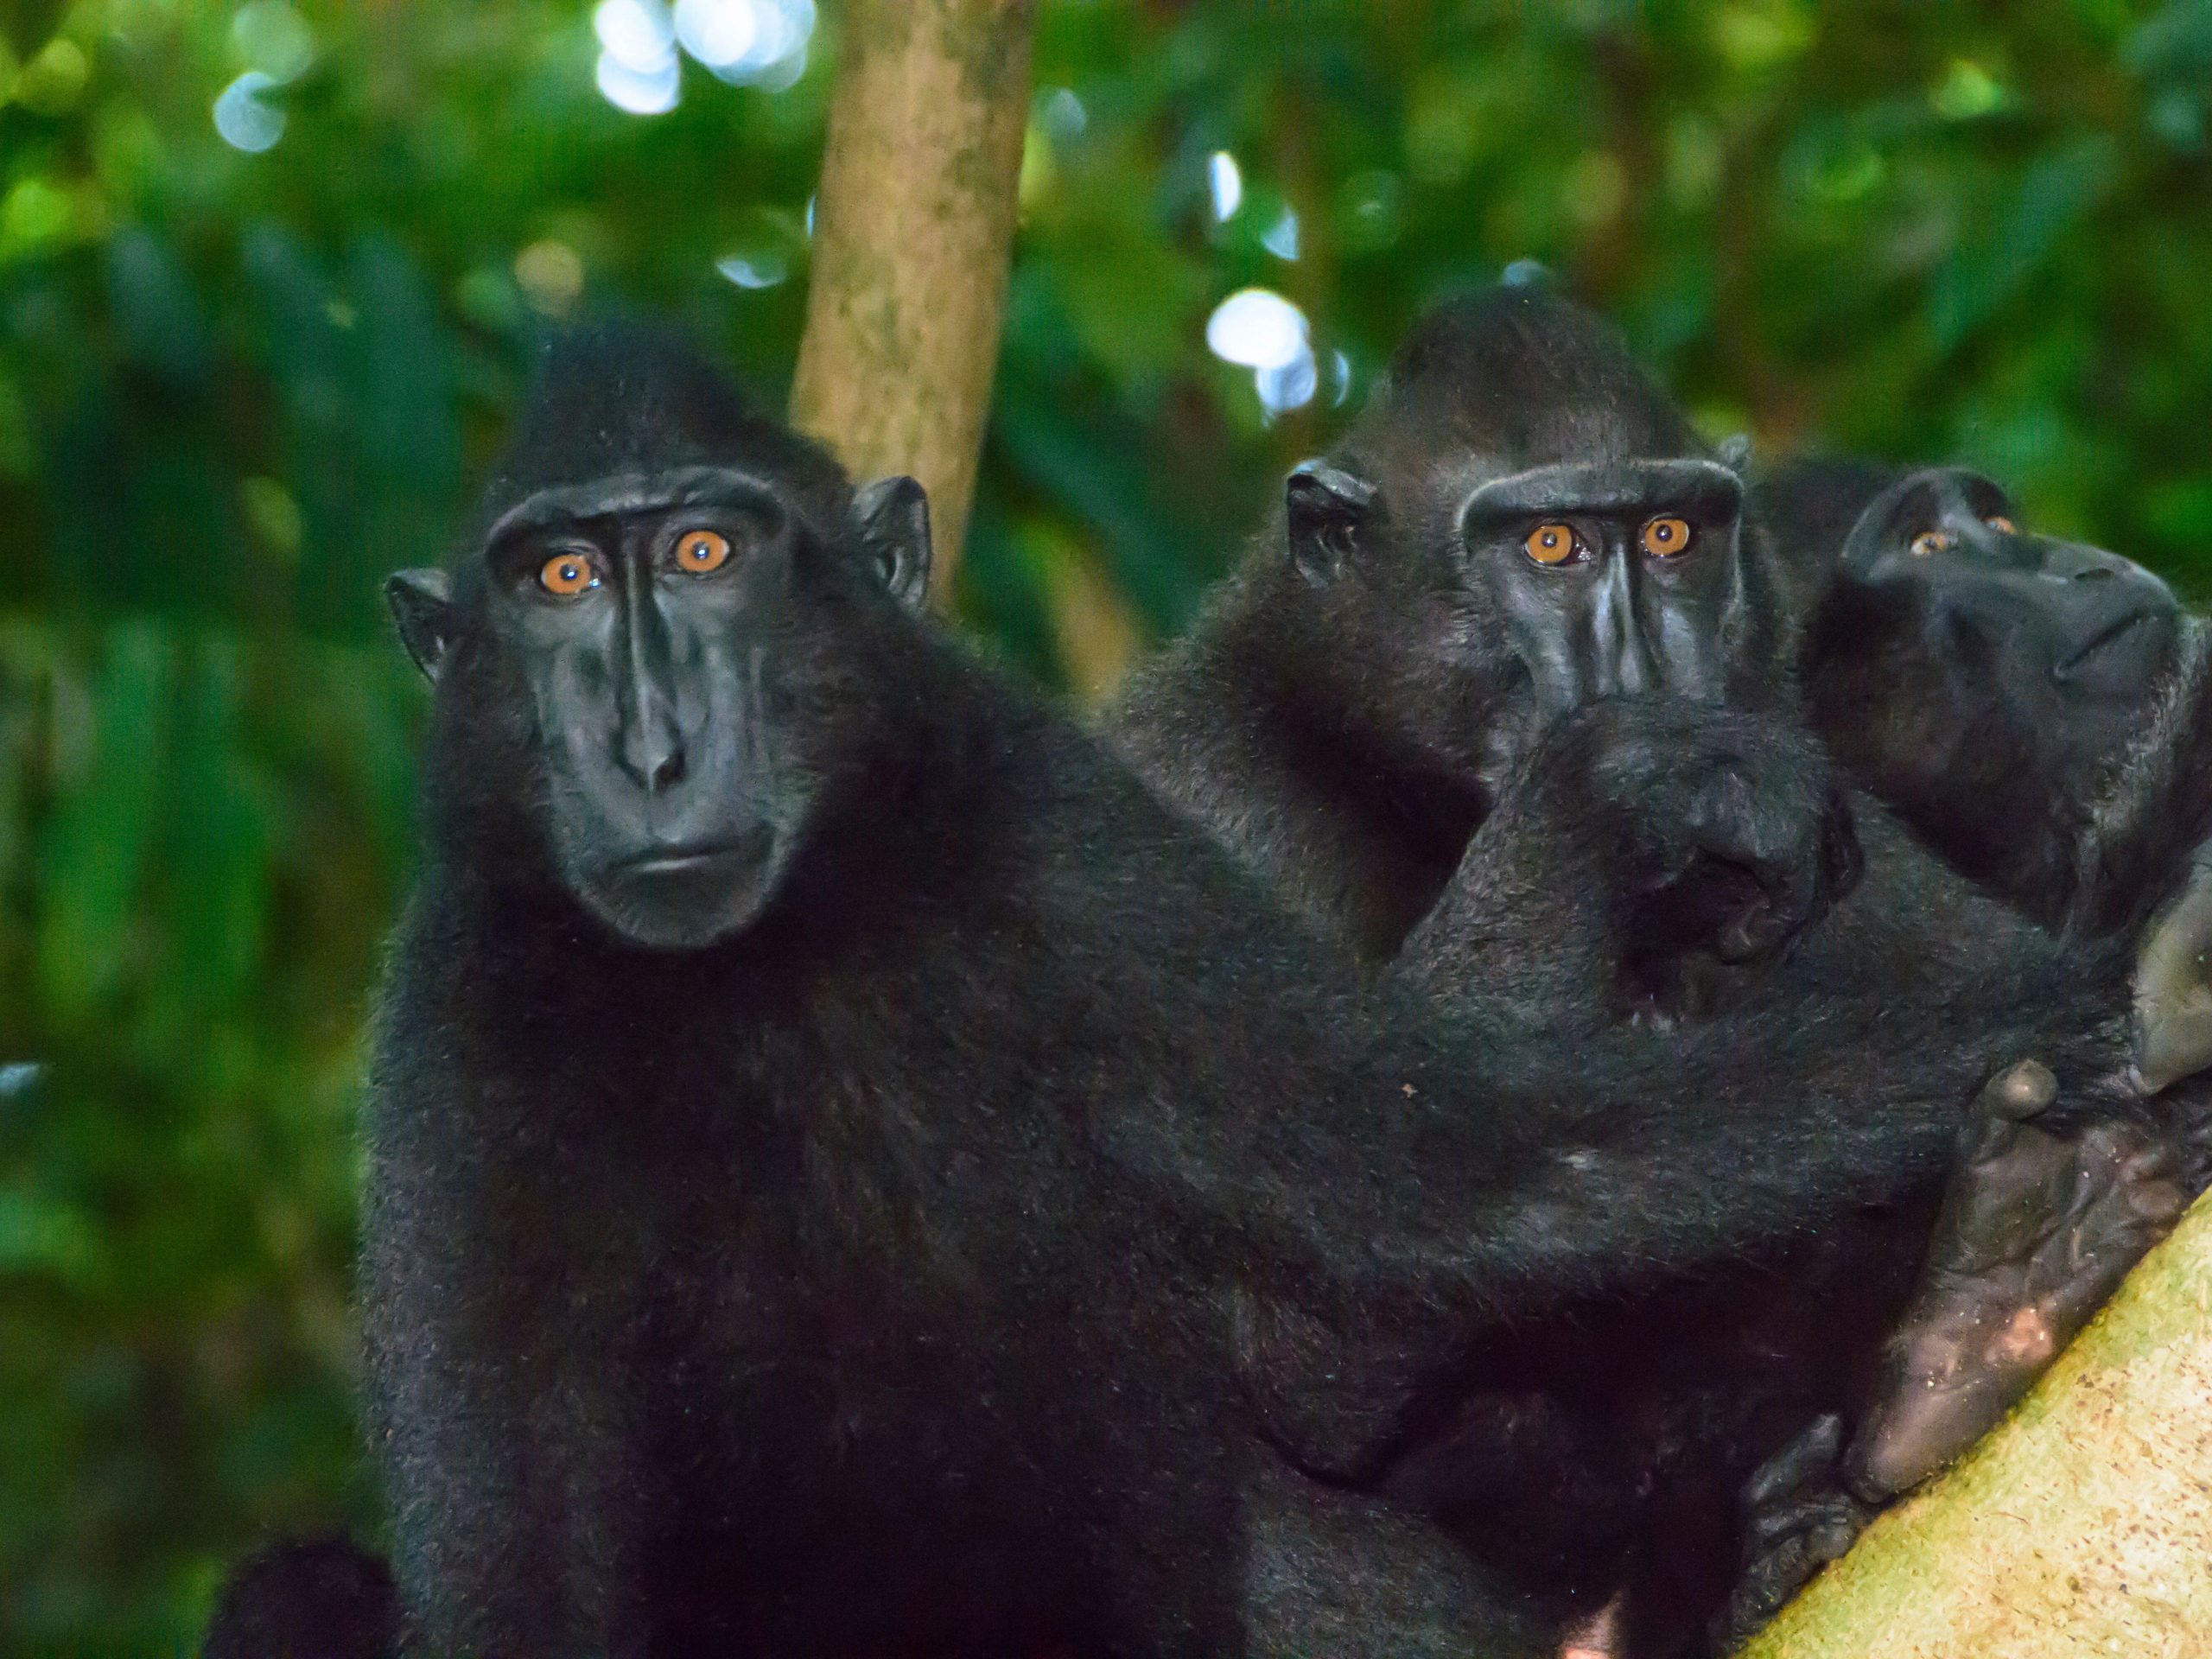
[
  {"x": 2082, "y": 1525},
  {"x": 913, "y": 231}
]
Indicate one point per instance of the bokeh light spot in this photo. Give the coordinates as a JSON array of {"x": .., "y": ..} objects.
[
  {"x": 748, "y": 42},
  {"x": 1260, "y": 330},
  {"x": 1290, "y": 386},
  {"x": 52, "y": 82},
  {"x": 718, "y": 33},
  {"x": 1061, "y": 113},
  {"x": 1225, "y": 180},
  {"x": 550, "y": 275},
  {"x": 273, "y": 38},
  {"x": 1967, "y": 92},
  {"x": 1257, "y": 329},
  {"x": 636, "y": 35},
  {"x": 1339, "y": 379},
  {"x": 763, "y": 269},
  {"x": 636, "y": 92},
  {"x": 245, "y": 118}
]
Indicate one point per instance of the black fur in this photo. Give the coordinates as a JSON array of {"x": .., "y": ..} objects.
[
  {"x": 1345, "y": 737},
  {"x": 1950, "y": 685},
  {"x": 315, "y": 1599},
  {"x": 947, "y": 1257},
  {"x": 1355, "y": 734},
  {"x": 2035, "y": 709}
]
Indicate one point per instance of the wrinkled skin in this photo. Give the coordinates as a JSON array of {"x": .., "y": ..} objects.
[
  {"x": 1800, "y": 1520},
  {"x": 2032, "y": 1238}
]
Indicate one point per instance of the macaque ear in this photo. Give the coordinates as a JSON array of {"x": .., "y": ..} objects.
[
  {"x": 1736, "y": 452},
  {"x": 422, "y": 606},
  {"x": 1327, "y": 509},
  {"x": 893, "y": 517}
]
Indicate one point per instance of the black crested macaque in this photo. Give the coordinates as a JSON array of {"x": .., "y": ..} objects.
[
  {"x": 1520, "y": 527},
  {"x": 1343, "y": 719},
  {"x": 2034, "y": 710},
  {"x": 1985, "y": 681},
  {"x": 849, "y": 1170}
]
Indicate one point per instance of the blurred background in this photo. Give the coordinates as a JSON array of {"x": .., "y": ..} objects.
[{"x": 267, "y": 274}]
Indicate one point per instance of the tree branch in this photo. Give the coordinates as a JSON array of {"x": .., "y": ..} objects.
[
  {"x": 913, "y": 232},
  {"x": 2082, "y": 1525}
]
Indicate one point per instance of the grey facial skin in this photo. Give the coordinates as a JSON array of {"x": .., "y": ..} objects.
[
  {"x": 639, "y": 612},
  {"x": 1633, "y": 602}
]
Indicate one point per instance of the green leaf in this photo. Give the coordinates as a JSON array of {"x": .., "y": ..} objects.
[
  {"x": 2055, "y": 196},
  {"x": 217, "y": 850},
  {"x": 94, "y": 850}
]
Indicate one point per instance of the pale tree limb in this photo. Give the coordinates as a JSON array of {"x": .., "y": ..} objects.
[
  {"x": 913, "y": 232},
  {"x": 2082, "y": 1525}
]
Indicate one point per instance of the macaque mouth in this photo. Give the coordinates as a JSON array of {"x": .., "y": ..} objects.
[
  {"x": 2123, "y": 627},
  {"x": 697, "y": 857}
]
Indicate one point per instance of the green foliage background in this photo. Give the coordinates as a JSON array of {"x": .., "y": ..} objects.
[{"x": 236, "y": 389}]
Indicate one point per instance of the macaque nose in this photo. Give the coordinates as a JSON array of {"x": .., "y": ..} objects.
[
  {"x": 652, "y": 752},
  {"x": 2068, "y": 562},
  {"x": 1624, "y": 663}
]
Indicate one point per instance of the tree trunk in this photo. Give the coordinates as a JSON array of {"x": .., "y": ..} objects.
[
  {"x": 913, "y": 231},
  {"x": 2082, "y": 1525}
]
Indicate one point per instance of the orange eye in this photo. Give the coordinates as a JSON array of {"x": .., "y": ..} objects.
[
  {"x": 2001, "y": 524},
  {"x": 1931, "y": 542},
  {"x": 567, "y": 574},
  {"x": 1550, "y": 543},
  {"x": 702, "y": 551},
  {"x": 1665, "y": 538}
]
